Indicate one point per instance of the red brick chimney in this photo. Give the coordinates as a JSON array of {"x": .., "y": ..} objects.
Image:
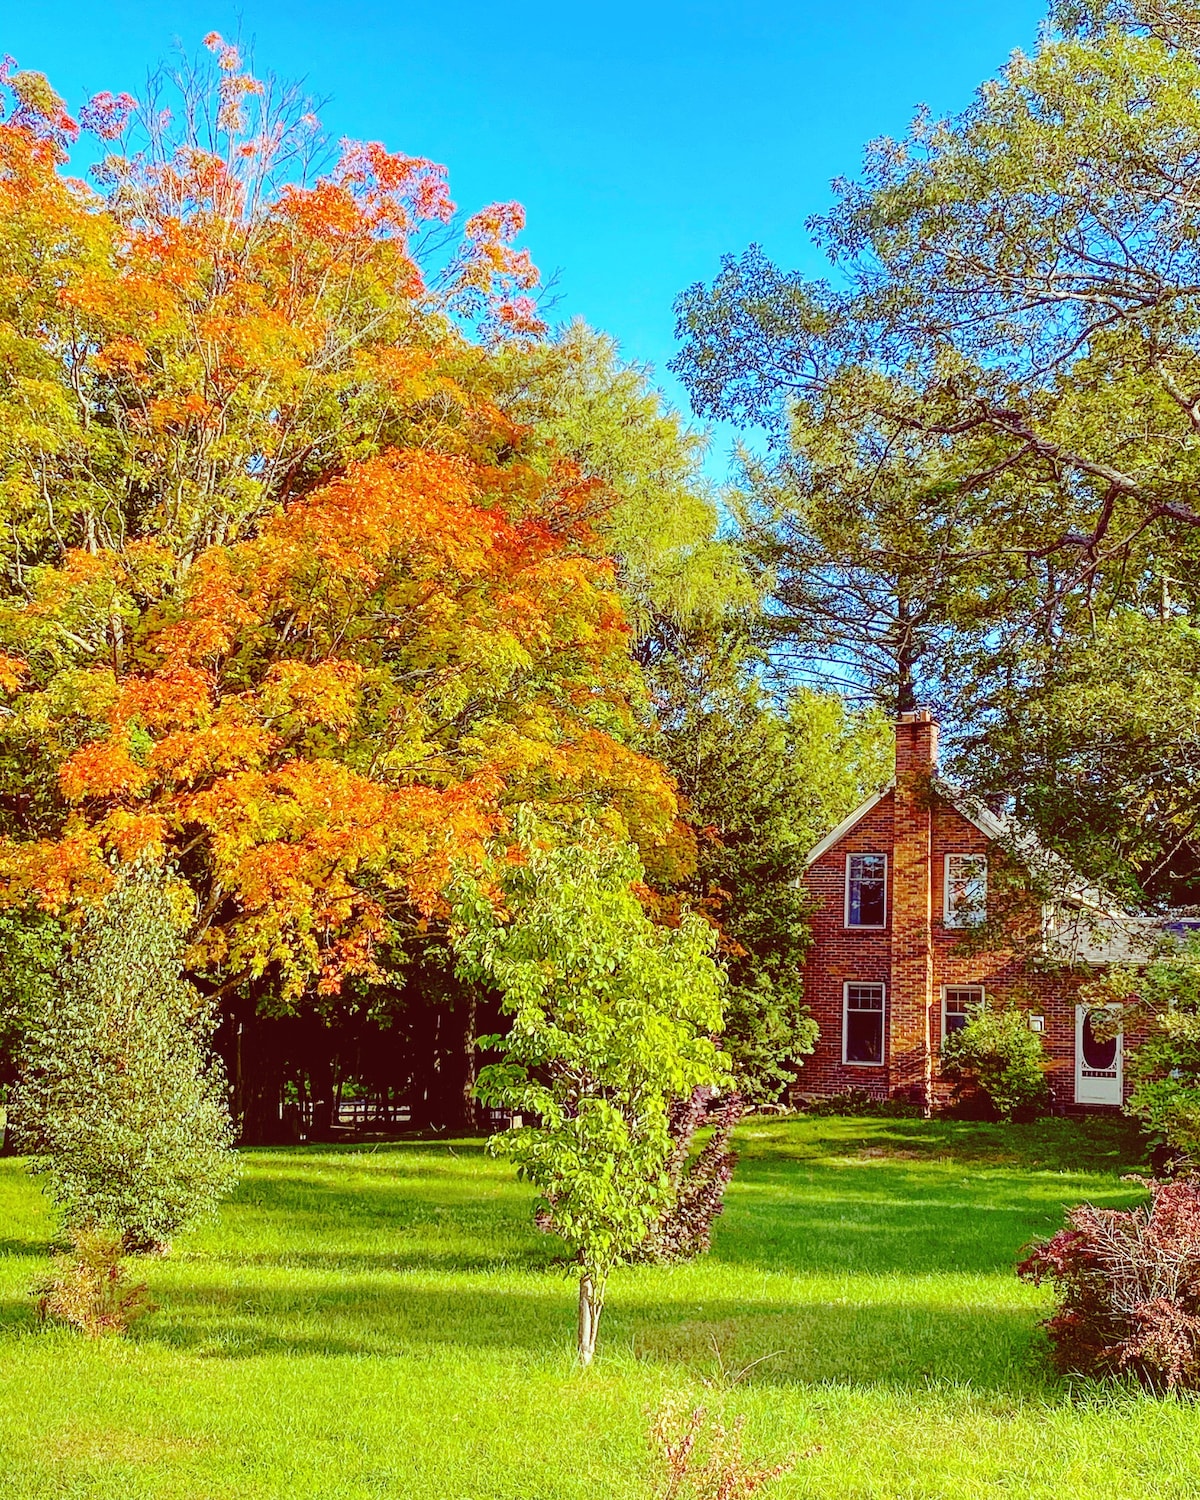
[
  {"x": 916, "y": 744},
  {"x": 911, "y": 998}
]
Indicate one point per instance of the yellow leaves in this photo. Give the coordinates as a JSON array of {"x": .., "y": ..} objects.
[
  {"x": 168, "y": 412},
  {"x": 325, "y": 694},
  {"x": 177, "y": 696},
  {"x": 188, "y": 757},
  {"x": 121, "y": 352},
  {"x": 55, "y": 874},
  {"x": 12, "y": 671}
]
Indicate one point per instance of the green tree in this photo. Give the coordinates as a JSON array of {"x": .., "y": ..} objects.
[
  {"x": 762, "y": 783},
  {"x": 1006, "y": 365},
  {"x": 32, "y": 945},
  {"x": 120, "y": 1104},
  {"x": 1096, "y": 740},
  {"x": 613, "y": 1019},
  {"x": 659, "y": 515},
  {"x": 1163, "y": 1002}
]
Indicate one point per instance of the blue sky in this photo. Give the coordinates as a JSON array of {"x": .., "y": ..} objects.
[{"x": 645, "y": 139}]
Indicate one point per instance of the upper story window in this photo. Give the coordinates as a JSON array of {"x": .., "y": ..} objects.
[
  {"x": 866, "y": 890},
  {"x": 966, "y": 890}
]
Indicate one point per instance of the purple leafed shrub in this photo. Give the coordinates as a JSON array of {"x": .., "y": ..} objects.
[
  {"x": 685, "y": 1230},
  {"x": 1128, "y": 1283}
]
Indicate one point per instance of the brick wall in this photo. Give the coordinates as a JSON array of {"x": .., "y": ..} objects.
[{"x": 840, "y": 954}]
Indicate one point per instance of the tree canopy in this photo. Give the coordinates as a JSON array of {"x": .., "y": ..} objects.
[
  {"x": 984, "y": 422},
  {"x": 290, "y": 596}
]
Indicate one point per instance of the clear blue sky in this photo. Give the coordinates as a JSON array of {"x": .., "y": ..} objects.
[{"x": 645, "y": 139}]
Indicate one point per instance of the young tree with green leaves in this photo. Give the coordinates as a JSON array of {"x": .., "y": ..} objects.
[
  {"x": 612, "y": 1019},
  {"x": 762, "y": 782},
  {"x": 120, "y": 1103}
]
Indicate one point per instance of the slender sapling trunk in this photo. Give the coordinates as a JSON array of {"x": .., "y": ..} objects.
[{"x": 591, "y": 1305}]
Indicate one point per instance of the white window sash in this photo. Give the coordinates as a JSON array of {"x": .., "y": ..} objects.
[
  {"x": 949, "y": 916},
  {"x": 977, "y": 991}
]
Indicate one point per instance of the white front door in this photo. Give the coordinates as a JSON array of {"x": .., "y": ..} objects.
[{"x": 1098, "y": 1064}]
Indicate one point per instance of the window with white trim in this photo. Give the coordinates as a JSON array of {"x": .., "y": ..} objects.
[
  {"x": 959, "y": 1004},
  {"x": 866, "y": 890},
  {"x": 966, "y": 890},
  {"x": 862, "y": 1024}
]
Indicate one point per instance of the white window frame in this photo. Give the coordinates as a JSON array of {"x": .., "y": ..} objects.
[
  {"x": 865, "y": 926},
  {"x": 948, "y": 918},
  {"x": 863, "y": 984},
  {"x": 978, "y": 989}
]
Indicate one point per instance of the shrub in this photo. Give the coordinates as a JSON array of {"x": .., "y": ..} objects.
[
  {"x": 997, "y": 1052},
  {"x": 701, "y": 1459},
  {"x": 1128, "y": 1283},
  {"x": 698, "y": 1182},
  {"x": 88, "y": 1287},
  {"x": 1164, "y": 998},
  {"x": 120, "y": 1103},
  {"x": 858, "y": 1102}
]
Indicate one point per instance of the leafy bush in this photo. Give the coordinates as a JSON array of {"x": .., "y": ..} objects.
[
  {"x": 120, "y": 1103},
  {"x": 88, "y": 1287},
  {"x": 699, "y": 1182},
  {"x": 859, "y": 1102},
  {"x": 1128, "y": 1283},
  {"x": 701, "y": 1459},
  {"x": 996, "y": 1052},
  {"x": 1165, "y": 1065}
]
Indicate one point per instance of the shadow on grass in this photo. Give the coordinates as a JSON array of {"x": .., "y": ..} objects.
[
  {"x": 812, "y": 1343},
  {"x": 26, "y": 1248}
]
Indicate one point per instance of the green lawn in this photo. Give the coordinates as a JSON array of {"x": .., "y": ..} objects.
[{"x": 386, "y": 1322}]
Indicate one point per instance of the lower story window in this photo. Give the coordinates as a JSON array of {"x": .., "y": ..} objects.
[
  {"x": 862, "y": 1024},
  {"x": 959, "y": 1004}
]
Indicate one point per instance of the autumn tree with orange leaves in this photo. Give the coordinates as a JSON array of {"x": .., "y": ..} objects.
[{"x": 289, "y": 600}]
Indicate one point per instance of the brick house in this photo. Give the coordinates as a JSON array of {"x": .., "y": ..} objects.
[{"x": 894, "y": 966}]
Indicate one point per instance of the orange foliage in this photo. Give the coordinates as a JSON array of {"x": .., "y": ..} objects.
[
  {"x": 292, "y": 600},
  {"x": 328, "y": 718}
]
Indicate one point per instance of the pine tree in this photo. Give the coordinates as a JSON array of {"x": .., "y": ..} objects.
[{"x": 121, "y": 1104}]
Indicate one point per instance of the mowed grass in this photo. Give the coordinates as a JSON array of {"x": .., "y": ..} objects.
[{"x": 386, "y": 1322}]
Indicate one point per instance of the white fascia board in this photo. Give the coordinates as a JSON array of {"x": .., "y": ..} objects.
[
  {"x": 991, "y": 826},
  {"x": 847, "y": 824}
]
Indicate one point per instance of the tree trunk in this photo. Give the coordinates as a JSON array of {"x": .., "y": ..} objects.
[
  {"x": 468, "y": 1104},
  {"x": 591, "y": 1305},
  {"x": 320, "y": 1076}
]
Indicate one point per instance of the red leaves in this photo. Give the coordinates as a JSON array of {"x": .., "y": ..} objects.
[{"x": 1129, "y": 1287}]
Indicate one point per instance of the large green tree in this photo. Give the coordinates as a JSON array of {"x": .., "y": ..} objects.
[
  {"x": 1008, "y": 357},
  {"x": 763, "y": 780}
]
